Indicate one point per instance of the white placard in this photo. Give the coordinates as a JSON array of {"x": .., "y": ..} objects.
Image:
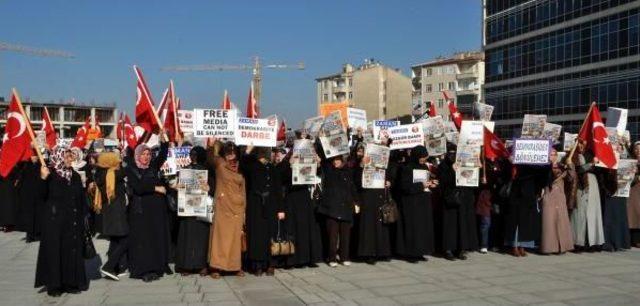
[
  {"x": 373, "y": 178},
  {"x": 627, "y": 169},
  {"x": 617, "y": 118},
  {"x": 483, "y": 111},
  {"x": 185, "y": 120},
  {"x": 257, "y": 132},
  {"x": 433, "y": 127},
  {"x": 420, "y": 175},
  {"x": 533, "y": 126},
  {"x": 335, "y": 145},
  {"x": 303, "y": 152},
  {"x": 303, "y": 174},
  {"x": 356, "y": 118},
  {"x": 436, "y": 147},
  {"x": 531, "y": 152},
  {"x": 380, "y": 128},
  {"x": 471, "y": 133},
  {"x": 406, "y": 136},
  {"x": 177, "y": 158},
  {"x": 312, "y": 126},
  {"x": 215, "y": 122},
  {"x": 192, "y": 200},
  {"x": 569, "y": 140},
  {"x": 467, "y": 176},
  {"x": 468, "y": 156},
  {"x": 552, "y": 131},
  {"x": 376, "y": 156}
]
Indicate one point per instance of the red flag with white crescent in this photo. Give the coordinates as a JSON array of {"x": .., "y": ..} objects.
[
  {"x": 49, "y": 131},
  {"x": 126, "y": 132},
  {"x": 595, "y": 135},
  {"x": 80, "y": 141},
  {"x": 493, "y": 146},
  {"x": 282, "y": 131},
  {"x": 252, "y": 105},
  {"x": 455, "y": 114},
  {"x": 145, "y": 116},
  {"x": 16, "y": 143}
]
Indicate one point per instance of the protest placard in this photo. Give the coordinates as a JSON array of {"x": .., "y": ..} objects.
[
  {"x": 569, "y": 140},
  {"x": 406, "y": 136},
  {"x": 627, "y": 169},
  {"x": 303, "y": 174},
  {"x": 215, "y": 123},
  {"x": 312, "y": 126},
  {"x": 303, "y": 152},
  {"x": 381, "y": 127},
  {"x": 467, "y": 176},
  {"x": 617, "y": 118},
  {"x": 420, "y": 175},
  {"x": 552, "y": 131},
  {"x": 328, "y": 108},
  {"x": 490, "y": 125},
  {"x": 376, "y": 156},
  {"x": 533, "y": 126},
  {"x": 471, "y": 133},
  {"x": 332, "y": 124},
  {"x": 192, "y": 199},
  {"x": 177, "y": 158},
  {"x": 433, "y": 127},
  {"x": 531, "y": 152},
  {"x": 335, "y": 145},
  {"x": 468, "y": 156},
  {"x": 436, "y": 147},
  {"x": 373, "y": 178},
  {"x": 482, "y": 111},
  {"x": 357, "y": 119},
  {"x": 257, "y": 132},
  {"x": 185, "y": 120},
  {"x": 452, "y": 137}
]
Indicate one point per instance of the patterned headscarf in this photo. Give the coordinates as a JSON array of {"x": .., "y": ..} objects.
[
  {"x": 138, "y": 152},
  {"x": 56, "y": 161}
]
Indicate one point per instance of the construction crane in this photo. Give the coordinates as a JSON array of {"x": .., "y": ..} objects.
[{"x": 256, "y": 71}]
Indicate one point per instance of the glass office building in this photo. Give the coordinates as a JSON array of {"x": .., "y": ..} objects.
[{"x": 555, "y": 57}]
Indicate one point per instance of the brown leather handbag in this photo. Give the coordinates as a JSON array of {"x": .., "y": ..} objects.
[
  {"x": 389, "y": 210},
  {"x": 282, "y": 247}
]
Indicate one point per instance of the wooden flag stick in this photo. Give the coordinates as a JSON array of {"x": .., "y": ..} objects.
[
  {"x": 29, "y": 129},
  {"x": 575, "y": 144}
]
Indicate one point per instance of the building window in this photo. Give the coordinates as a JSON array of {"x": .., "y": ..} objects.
[
  {"x": 440, "y": 103},
  {"x": 350, "y": 81},
  {"x": 427, "y": 88},
  {"x": 350, "y": 95},
  {"x": 429, "y": 72},
  {"x": 384, "y": 111},
  {"x": 440, "y": 86},
  {"x": 452, "y": 85}
]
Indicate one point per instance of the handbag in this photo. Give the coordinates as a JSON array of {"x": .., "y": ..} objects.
[
  {"x": 389, "y": 210},
  {"x": 88, "y": 250},
  {"x": 281, "y": 247}
]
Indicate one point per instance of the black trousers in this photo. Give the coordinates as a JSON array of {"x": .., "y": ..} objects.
[
  {"x": 117, "y": 254},
  {"x": 338, "y": 232}
]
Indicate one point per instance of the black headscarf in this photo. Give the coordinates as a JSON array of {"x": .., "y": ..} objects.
[
  {"x": 417, "y": 153},
  {"x": 201, "y": 155}
]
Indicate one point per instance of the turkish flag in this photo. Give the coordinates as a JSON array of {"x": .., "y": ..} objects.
[
  {"x": 282, "y": 132},
  {"x": 49, "y": 130},
  {"x": 595, "y": 135},
  {"x": 493, "y": 146},
  {"x": 226, "y": 101},
  {"x": 16, "y": 143},
  {"x": 171, "y": 117},
  {"x": 432, "y": 109},
  {"x": 80, "y": 141},
  {"x": 252, "y": 105},
  {"x": 455, "y": 114},
  {"x": 145, "y": 114},
  {"x": 126, "y": 132}
]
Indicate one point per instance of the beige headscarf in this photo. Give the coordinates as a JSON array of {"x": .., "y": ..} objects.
[{"x": 111, "y": 162}]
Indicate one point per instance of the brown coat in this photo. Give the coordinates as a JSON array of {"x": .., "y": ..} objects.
[
  {"x": 225, "y": 247},
  {"x": 557, "y": 235}
]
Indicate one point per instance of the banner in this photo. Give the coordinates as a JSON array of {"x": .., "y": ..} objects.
[
  {"x": 626, "y": 171},
  {"x": 303, "y": 174},
  {"x": 215, "y": 122},
  {"x": 356, "y": 118},
  {"x": 376, "y": 156},
  {"x": 257, "y": 132},
  {"x": 312, "y": 126},
  {"x": 192, "y": 200},
  {"x": 433, "y": 127},
  {"x": 569, "y": 140},
  {"x": 467, "y": 176},
  {"x": 471, "y": 133},
  {"x": 406, "y": 136},
  {"x": 617, "y": 118},
  {"x": 373, "y": 178},
  {"x": 303, "y": 152},
  {"x": 533, "y": 126},
  {"x": 177, "y": 158},
  {"x": 328, "y": 108},
  {"x": 531, "y": 152},
  {"x": 552, "y": 131},
  {"x": 380, "y": 128},
  {"x": 437, "y": 147},
  {"x": 482, "y": 111},
  {"x": 185, "y": 120}
]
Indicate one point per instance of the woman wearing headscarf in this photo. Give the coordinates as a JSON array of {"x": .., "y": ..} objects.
[
  {"x": 586, "y": 218},
  {"x": 459, "y": 233},
  {"x": 415, "y": 231},
  {"x": 633, "y": 202},
  {"x": 110, "y": 201},
  {"x": 614, "y": 215},
  {"x": 193, "y": 234},
  {"x": 148, "y": 222},
  {"x": 225, "y": 238},
  {"x": 557, "y": 236},
  {"x": 60, "y": 266}
]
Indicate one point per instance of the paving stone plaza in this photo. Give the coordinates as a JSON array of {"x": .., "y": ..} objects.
[{"x": 492, "y": 279}]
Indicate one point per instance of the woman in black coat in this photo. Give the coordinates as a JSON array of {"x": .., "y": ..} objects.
[
  {"x": 110, "y": 202},
  {"x": 148, "y": 223},
  {"x": 30, "y": 202},
  {"x": 339, "y": 198},
  {"x": 9, "y": 206},
  {"x": 60, "y": 266},
  {"x": 459, "y": 233},
  {"x": 265, "y": 207},
  {"x": 415, "y": 226},
  {"x": 192, "y": 249}
]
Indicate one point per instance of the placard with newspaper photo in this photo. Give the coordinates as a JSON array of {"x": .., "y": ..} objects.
[
  {"x": 627, "y": 169},
  {"x": 468, "y": 176},
  {"x": 312, "y": 126},
  {"x": 569, "y": 140},
  {"x": 552, "y": 131},
  {"x": 452, "y": 137},
  {"x": 303, "y": 152},
  {"x": 376, "y": 156},
  {"x": 437, "y": 147},
  {"x": 332, "y": 124},
  {"x": 335, "y": 145},
  {"x": 192, "y": 199},
  {"x": 482, "y": 111},
  {"x": 468, "y": 156},
  {"x": 433, "y": 127},
  {"x": 303, "y": 174},
  {"x": 533, "y": 126},
  {"x": 373, "y": 178},
  {"x": 471, "y": 133}
]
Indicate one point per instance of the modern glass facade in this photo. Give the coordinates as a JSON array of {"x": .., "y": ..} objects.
[{"x": 560, "y": 57}]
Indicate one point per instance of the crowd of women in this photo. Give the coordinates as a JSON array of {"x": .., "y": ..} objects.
[{"x": 568, "y": 205}]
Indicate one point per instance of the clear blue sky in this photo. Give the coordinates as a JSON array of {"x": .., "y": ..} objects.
[{"x": 109, "y": 36}]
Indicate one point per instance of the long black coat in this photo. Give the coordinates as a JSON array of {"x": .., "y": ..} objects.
[
  {"x": 148, "y": 222},
  {"x": 60, "y": 256},
  {"x": 522, "y": 211},
  {"x": 458, "y": 217},
  {"x": 192, "y": 249},
  {"x": 9, "y": 200},
  {"x": 265, "y": 199},
  {"x": 339, "y": 193},
  {"x": 30, "y": 202},
  {"x": 415, "y": 236},
  {"x": 114, "y": 214},
  {"x": 373, "y": 235}
]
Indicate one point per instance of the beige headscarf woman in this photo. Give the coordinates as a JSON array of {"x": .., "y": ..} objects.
[{"x": 110, "y": 161}]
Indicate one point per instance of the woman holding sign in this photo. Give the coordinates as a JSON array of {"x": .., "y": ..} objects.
[{"x": 557, "y": 236}]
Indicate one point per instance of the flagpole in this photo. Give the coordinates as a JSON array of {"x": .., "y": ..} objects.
[
  {"x": 575, "y": 144},
  {"x": 33, "y": 138},
  {"x": 175, "y": 112}
]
